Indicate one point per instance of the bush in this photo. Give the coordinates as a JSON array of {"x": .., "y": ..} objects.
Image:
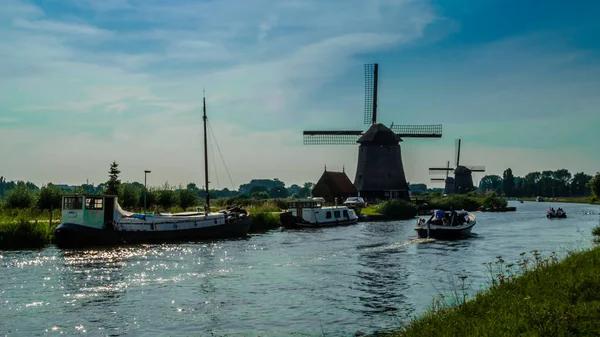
[
  {"x": 458, "y": 201},
  {"x": 492, "y": 200},
  {"x": 596, "y": 234},
  {"x": 167, "y": 198},
  {"x": 129, "y": 196},
  {"x": 263, "y": 221},
  {"x": 187, "y": 198},
  {"x": 397, "y": 209},
  {"x": 22, "y": 233}
]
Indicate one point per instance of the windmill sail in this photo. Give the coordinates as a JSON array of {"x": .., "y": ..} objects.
[
  {"x": 371, "y": 79},
  {"x": 331, "y": 137},
  {"x": 380, "y": 171},
  {"x": 418, "y": 131}
]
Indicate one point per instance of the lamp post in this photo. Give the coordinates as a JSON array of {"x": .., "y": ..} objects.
[{"x": 145, "y": 189}]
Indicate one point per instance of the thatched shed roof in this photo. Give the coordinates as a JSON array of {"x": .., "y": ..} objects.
[{"x": 334, "y": 185}]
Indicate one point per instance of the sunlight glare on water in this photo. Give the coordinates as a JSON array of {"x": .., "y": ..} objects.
[{"x": 336, "y": 281}]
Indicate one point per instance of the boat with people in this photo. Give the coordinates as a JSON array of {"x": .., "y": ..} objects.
[
  {"x": 556, "y": 213},
  {"x": 446, "y": 225},
  {"x": 310, "y": 213},
  {"x": 89, "y": 220}
]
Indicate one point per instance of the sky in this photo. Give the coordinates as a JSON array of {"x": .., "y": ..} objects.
[{"x": 87, "y": 82}]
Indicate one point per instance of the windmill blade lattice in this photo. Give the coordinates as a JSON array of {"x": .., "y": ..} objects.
[
  {"x": 371, "y": 74},
  {"x": 331, "y": 137},
  {"x": 418, "y": 131}
]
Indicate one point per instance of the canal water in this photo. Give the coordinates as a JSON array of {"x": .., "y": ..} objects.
[{"x": 334, "y": 282}]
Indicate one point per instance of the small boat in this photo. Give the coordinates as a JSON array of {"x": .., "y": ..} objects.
[
  {"x": 559, "y": 213},
  {"x": 449, "y": 227},
  {"x": 89, "y": 220},
  {"x": 520, "y": 200},
  {"x": 311, "y": 214},
  {"x": 539, "y": 199}
]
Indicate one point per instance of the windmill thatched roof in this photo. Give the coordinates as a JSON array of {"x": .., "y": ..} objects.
[
  {"x": 462, "y": 170},
  {"x": 379, "y": 134}
]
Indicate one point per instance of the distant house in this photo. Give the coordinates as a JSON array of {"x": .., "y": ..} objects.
[{"x": 333, "y": 185}]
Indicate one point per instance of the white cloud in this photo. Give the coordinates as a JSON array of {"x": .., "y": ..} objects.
[
  {"x": 270, "y": 68},
  {"x": 54, "y": 27}
]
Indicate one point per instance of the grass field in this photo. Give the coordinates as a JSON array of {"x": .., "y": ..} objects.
[{"x": 538, "y": 296}]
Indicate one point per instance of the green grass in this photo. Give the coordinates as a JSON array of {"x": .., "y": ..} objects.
[
  {"x": 23, "y": 234},
  {"x": 370, "y": 210},
  {"x": 264, "y": 217},
  {"x": 12, "y": 214},
  {"x": 536, "y": 297}
]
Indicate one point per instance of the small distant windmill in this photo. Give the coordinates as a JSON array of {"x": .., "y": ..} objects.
[
  {"x": 448, "y": 181},
  {"x": 463, "y": 179},
  {"x": 379, "y": 171}
]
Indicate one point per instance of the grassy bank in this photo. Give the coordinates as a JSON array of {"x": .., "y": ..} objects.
[
  {"x": 535, "y": 297},
  {"x": 576, "y": 200},
  {"x": 24, "y": 234}
]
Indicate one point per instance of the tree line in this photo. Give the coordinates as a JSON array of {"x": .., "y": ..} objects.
[
  {"x": 559, "y": 183},
  {"x": 19, "y": 194}
]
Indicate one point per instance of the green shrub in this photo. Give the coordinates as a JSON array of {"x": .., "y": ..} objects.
[
  {"x": 21, "y": 234},
  {"x": 187, "y": 198},
  {"x": 458, "y": 201},
  {"x": 596, "y": 234},
  {"x": 263, "y": 221},
  {"x": 397, "y": 209}
]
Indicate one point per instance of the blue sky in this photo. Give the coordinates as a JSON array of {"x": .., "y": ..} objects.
[{"x": 85, "y": 82}]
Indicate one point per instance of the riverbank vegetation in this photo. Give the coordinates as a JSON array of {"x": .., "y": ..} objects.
[
  {"x": 548, "y": 184},
  {"x": 24, "y": 234},
  {"x": 576, "y": 200},
  {"x": 469, "y": 202},
  {"x": 537, "y": 296}
]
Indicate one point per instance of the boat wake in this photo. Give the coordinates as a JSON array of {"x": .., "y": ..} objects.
[{"x": 397, "y": 245}]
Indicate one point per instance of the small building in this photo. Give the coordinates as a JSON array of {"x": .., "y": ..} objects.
[{"x": 333, "y": 185}]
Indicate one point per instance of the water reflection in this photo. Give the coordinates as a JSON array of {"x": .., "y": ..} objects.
[
  {"x": 383, "y": 275},
  {"x": 366, "y": 277},
  {"x": 93, "y": 276}
]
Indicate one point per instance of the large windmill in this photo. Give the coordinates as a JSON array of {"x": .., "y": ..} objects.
[
  {"x": 379, "y": 171},
  {"x": 463, "y": 178}
]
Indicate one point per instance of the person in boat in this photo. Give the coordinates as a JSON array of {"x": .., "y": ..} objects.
[
  {"x": 447, "y": 219},
  {"x": 439, "y": 216},
  {"x": 453, "y": 217}
]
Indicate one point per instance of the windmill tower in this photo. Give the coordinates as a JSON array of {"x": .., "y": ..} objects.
[
  {"x": 463, "y": 178},
  {"x": 379, "y": 171}
]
